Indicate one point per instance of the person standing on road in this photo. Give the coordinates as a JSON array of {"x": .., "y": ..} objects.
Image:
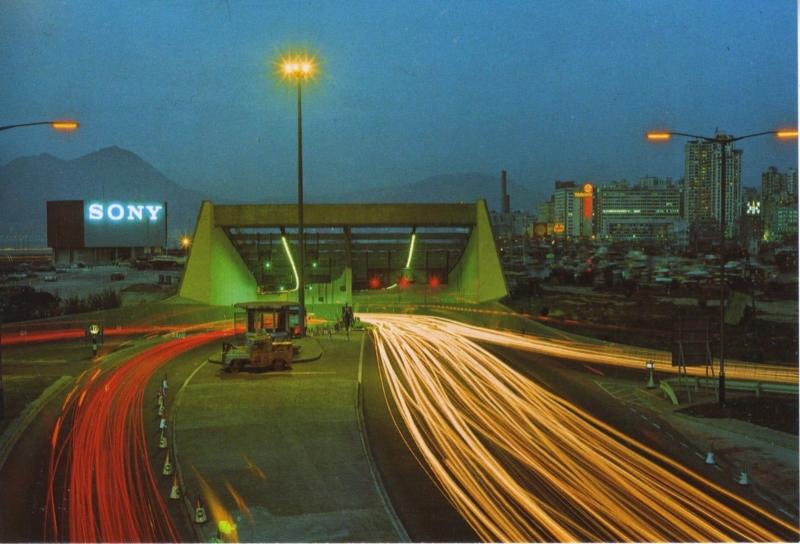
[{"x": 347, "y": 319}]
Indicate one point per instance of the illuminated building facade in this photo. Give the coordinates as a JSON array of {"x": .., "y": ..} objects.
[
  {"x": 645, "y": 212},
  {"x": 702, "y": 184},
  {"x": 97, "y": 232},
  {"x": 779, "y": 203},
  {"x": 572, "y": 206}
]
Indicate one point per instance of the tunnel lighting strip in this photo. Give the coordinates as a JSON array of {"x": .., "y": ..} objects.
[
  {"x": 410, "y": 255},
  {"x": 291, "y": 261}
]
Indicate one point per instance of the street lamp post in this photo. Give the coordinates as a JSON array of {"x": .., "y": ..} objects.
[
  {"x": 62, "y": 125},
  {"x": 299, "y": 69},
  {"x": 722, "y": 141}
]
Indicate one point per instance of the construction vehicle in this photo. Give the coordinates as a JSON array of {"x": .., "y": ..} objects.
[{"x": 267, "y": 341}]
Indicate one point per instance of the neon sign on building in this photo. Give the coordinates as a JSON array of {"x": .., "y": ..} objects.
[{"x": 124, "y": 212}]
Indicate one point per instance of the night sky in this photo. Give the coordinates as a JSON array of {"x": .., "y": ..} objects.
[{"x": 545, "y": 89}]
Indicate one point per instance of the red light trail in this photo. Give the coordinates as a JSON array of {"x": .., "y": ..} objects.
[{"x": 109, "y": 491}]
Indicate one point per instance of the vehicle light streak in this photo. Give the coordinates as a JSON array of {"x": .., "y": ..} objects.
[
  {"x": 522, "y": 464},
  {"x": 110, "y": 493},
  {"x": 606, "y": 354}
]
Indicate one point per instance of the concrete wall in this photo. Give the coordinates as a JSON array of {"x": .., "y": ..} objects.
[
  {"x": 478, "y": 276},
  {"x": 215, "y": 273}
]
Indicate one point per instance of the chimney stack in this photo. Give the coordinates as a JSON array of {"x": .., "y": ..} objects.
[{"x": 505, "y": 200}]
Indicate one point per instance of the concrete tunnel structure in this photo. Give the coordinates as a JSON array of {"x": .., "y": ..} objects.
[{"x": 355, "y": 253}]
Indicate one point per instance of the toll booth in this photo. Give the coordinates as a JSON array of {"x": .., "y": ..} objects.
[{"x": 281, "y": 320}]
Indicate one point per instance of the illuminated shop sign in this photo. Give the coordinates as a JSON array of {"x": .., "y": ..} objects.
[
  {"x": 116, "y": 211},
  {"x": 754, "y": 207},
  {"x": 119, "y": 223}
]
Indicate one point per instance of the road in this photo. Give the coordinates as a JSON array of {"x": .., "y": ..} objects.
[
  {"x": 521, "y": 463},
  {"x": 99, "y": 455}
]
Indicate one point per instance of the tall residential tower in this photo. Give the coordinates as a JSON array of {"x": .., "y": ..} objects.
[{"x": 702, "y": 184}]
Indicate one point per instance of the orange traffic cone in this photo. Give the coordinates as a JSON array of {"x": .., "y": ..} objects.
[
  {"x": 199, "y": 512},
  {"x": 167, "y": 470},
  {"x": 176, "y": 490},
  {"x": 162, "y": 441}
]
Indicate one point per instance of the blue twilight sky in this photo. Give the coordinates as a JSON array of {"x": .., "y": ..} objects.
[{"x": 547, "y": 89}]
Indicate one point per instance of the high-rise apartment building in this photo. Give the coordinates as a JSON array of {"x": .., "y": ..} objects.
[
  {"x": 702, "y": 183},
  {"x": 572, "y": 211},
  {"x": 779, "y": 202}
]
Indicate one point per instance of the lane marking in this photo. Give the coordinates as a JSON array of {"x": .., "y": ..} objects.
[
  {"x": 657, "y": 426},
  {"x": 718, "y": 467},
  {"x": 361, "y": 358},
  {"x": 685, "y": 445},
  {"x": 594, "y": 370},
  {"x": 700, "y": 455},
  {"x": 789, "y": 514}
]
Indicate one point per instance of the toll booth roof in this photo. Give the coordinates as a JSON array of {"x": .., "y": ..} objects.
[{"x": 265, "y": 306}]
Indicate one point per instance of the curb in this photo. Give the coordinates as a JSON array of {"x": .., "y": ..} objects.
[
  {"x": 313, "y": 357},
  {"x": 187, "y": 502},
  {"x": 14, "y": 431},
  {"x": 376, "y": 477}
]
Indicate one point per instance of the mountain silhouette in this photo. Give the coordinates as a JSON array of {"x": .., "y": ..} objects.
[{"x": 113, "y": 173}]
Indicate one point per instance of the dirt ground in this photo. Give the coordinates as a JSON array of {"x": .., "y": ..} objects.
[
  {"x": 779, "y": 413},
  {"x": 647, "y": 320}
]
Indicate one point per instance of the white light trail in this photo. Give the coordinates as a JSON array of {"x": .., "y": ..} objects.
[{"x": 522, "y": 464}]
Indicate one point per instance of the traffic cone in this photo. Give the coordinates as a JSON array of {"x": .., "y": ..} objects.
[
  {"x": 710, "y": 457},
  {"x": 162, "y": 441},
  {"x": 167, "y": 470},
  {"x": 744, "y": 477},
  {"x": 176, "y": 490},
  {"x": 199, "y": 512}
]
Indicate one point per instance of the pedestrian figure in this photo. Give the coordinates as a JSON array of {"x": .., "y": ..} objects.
[{"x": 347, "y": 319}]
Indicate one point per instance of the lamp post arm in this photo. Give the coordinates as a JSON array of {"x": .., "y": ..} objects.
[
  {"x": 752, "y": 135},
  {"x": 27, "y": 125},
  {"x": 706, "y": 138}
]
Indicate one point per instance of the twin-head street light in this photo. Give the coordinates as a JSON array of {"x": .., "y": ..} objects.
[
  {"x": 60, "y": 125},
  {"x": 722, "y": 141},
  {"x": 297, "y": 68}
]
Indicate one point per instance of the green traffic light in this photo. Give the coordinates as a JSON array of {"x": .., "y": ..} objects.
[{"x": 267, "y": 265}]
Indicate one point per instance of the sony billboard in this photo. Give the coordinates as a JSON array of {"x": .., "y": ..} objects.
[{"x": 124, "y": 224}]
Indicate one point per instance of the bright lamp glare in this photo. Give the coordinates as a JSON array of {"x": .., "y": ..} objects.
[
  {"x": 64, "y": 125},
  {"x": 658, "y": 136},
  {"x": 786, "y": 134},
  {"x": 297, "y": 66}
]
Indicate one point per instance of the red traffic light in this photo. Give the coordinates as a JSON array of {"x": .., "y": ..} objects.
[{"x": 374, "y": 282}]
